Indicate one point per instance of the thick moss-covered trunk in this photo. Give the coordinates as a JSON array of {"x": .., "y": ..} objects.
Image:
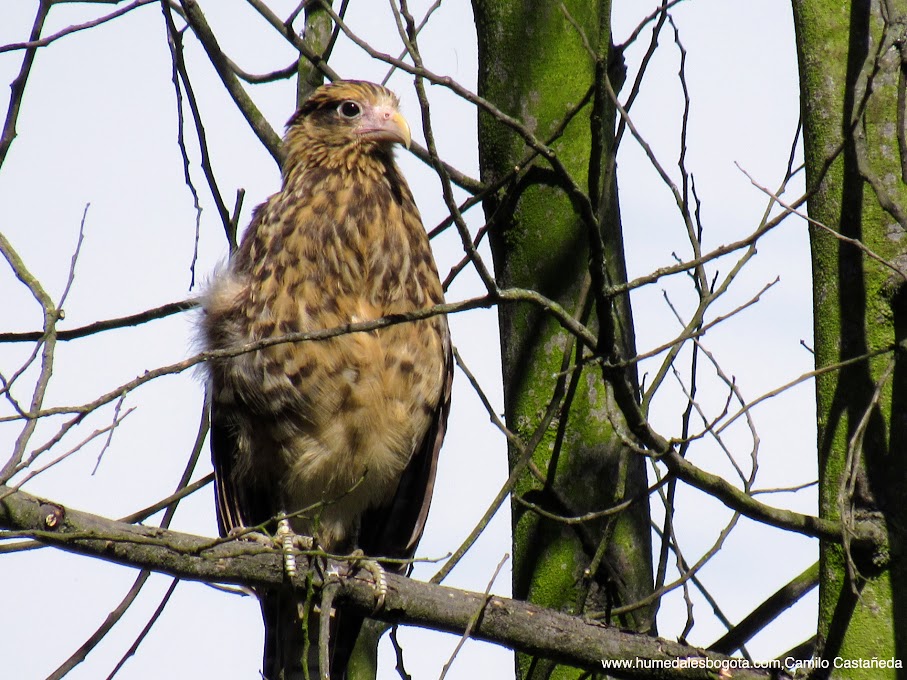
[
  {"x": 851, "y": 76},
  {"x": 538, "y": 63}
]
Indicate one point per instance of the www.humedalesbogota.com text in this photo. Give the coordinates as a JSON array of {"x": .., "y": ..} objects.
[{"x": 787, "y": 664}]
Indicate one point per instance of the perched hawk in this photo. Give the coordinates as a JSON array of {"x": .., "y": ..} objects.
[{"x": 348, "y": 427}]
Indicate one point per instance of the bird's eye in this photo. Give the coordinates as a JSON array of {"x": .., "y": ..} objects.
[{"x": 349, "y": 109}]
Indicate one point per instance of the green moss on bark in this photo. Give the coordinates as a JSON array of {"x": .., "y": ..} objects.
[
  {"x": 535, "y": 65},
  {"x": 858, "y": 307}
]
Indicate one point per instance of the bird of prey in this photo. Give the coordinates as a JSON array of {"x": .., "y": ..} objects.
[{"x": 340, "y": 434}]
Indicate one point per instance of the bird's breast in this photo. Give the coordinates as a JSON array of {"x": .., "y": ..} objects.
[{"x": 340, "y": 416}]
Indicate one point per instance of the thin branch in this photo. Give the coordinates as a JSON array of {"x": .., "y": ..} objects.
[
  {"x": 69, "y": 30},
  {"x": 321, "y": 334},
  {"x": 422, "y": 24},
  {"x": 110, "y": 621},
  {"x": 866, "y": 533},
  {"x": 146, "y": 629},
  {"x": 170, "y": 501},
  {"x": 828, "y": 368},
  {"x": 254, "y": 117},
  {"x": 591, "y": 516},
  {"x": 522, "y": 451},
  {"x": 17, "y": 87},
  {"x": 475, "y": 618},
  {"x": 734, "y": 390},
  {"x": 841, "y": 237},
  {"x": 328, "y": 592},
  {"x": 658, "y": 13},
  {"x": 114, "y": 617},
  {"x": 285, "y": 29},
  {"x": 284, "y": 73},
  {"x": 686, "y": 573},
  {"x": 408, "y": 35},
  {"x": 58, "y": 311},
  {"x": 110, "y": 324},
  {"x": 852, "y": 472},
  {"x": 51, "y": 315},
  {"x": 708, "y": 295},
  {"x": 709, "y": 598},
  {"x": 398, "y": 653},
  {"x": 773, "y": 606},
  {"x": 175, "y": 42},
  {"x": 786, "y": 489},
  {"x": 91, "y": 437}
]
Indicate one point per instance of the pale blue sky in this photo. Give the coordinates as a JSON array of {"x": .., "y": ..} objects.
[{"x": 98, "y": 126}]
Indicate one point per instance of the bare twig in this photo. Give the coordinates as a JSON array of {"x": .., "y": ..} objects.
[
  {"x": 470, "y": 627},
  {"x": 398, "y": 653},
  {"x": 658, "y": 13},
  {"x": 110, "y": 621},
  {"x": 69, "y": 30},
  {"x": 110, "y": 324},
  {"x": 709, "y": 598},
  {"x": 170, "y": 501},
  {"x": 17, "y": 87},
  {"x": 257, "y": 121},
  {"x": 51, "y": 315},
  {"x": 838, "y": 235},
  {"x": 408, "y": 35},
  {"x": 768, "y": 611},
  {"x": 422, "y": 24},
  {"x": 165, "y": 598},
  {"x": 686, "y": 572},
  {"x": 175, "y": 42},
  {"x": 785, "y": 489},
  {"x": 853, "y": 466},
  {"x": 94, "y": 435},
  {"x": 114, "y": 617},
  {"x": 322, "y": 334},
  {"x": 285, "y": 28},
  {"x": 328, "y": 592},
  {"x": 829, "y": 368}
]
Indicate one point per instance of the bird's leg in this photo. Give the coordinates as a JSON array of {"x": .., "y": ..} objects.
[
  {"x": 358, "y": 560},
  {"x": 285, "y": 540},
  {"x": 289, "y": 540}
]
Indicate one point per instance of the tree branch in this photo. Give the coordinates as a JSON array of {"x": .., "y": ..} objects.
[
  {"x": 255, "y": 118},
  {"x": 768, "y": 611},
  {"x": 17, "y": 87},
  {"x": 107, "y": 324},
  {"x": 504, "y": 621}
]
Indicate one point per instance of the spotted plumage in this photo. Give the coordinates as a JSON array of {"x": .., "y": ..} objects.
[{"x": 352, "y": 425}]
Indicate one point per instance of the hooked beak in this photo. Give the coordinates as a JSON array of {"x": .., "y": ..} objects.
[{"x": 386, "y": 124}]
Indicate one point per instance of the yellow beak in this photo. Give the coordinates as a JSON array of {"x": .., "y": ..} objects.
[{"x": 386, "y": 124}]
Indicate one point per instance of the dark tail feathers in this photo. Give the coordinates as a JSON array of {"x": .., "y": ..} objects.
[{"x": 285, "y": 639}]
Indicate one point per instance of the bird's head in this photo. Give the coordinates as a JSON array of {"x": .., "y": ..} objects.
[{"x": 343, "y": 121}]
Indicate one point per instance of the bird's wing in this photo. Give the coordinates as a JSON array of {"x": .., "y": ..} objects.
[
  {"x": 241, "y": 499},
  {"x": 233, "y": 509},
  {"x": 394, "y": 529},
  {"x": 223, "y": 454}
]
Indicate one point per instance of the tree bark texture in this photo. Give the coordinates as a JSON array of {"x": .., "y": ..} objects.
[
  {"x": 852, "y": 90},
  {"x": 544, "y": 64},
  {"x": 519, "y": 625}
]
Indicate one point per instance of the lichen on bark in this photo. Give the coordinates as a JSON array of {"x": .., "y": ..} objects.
[{"x": 538, "y": 64}]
